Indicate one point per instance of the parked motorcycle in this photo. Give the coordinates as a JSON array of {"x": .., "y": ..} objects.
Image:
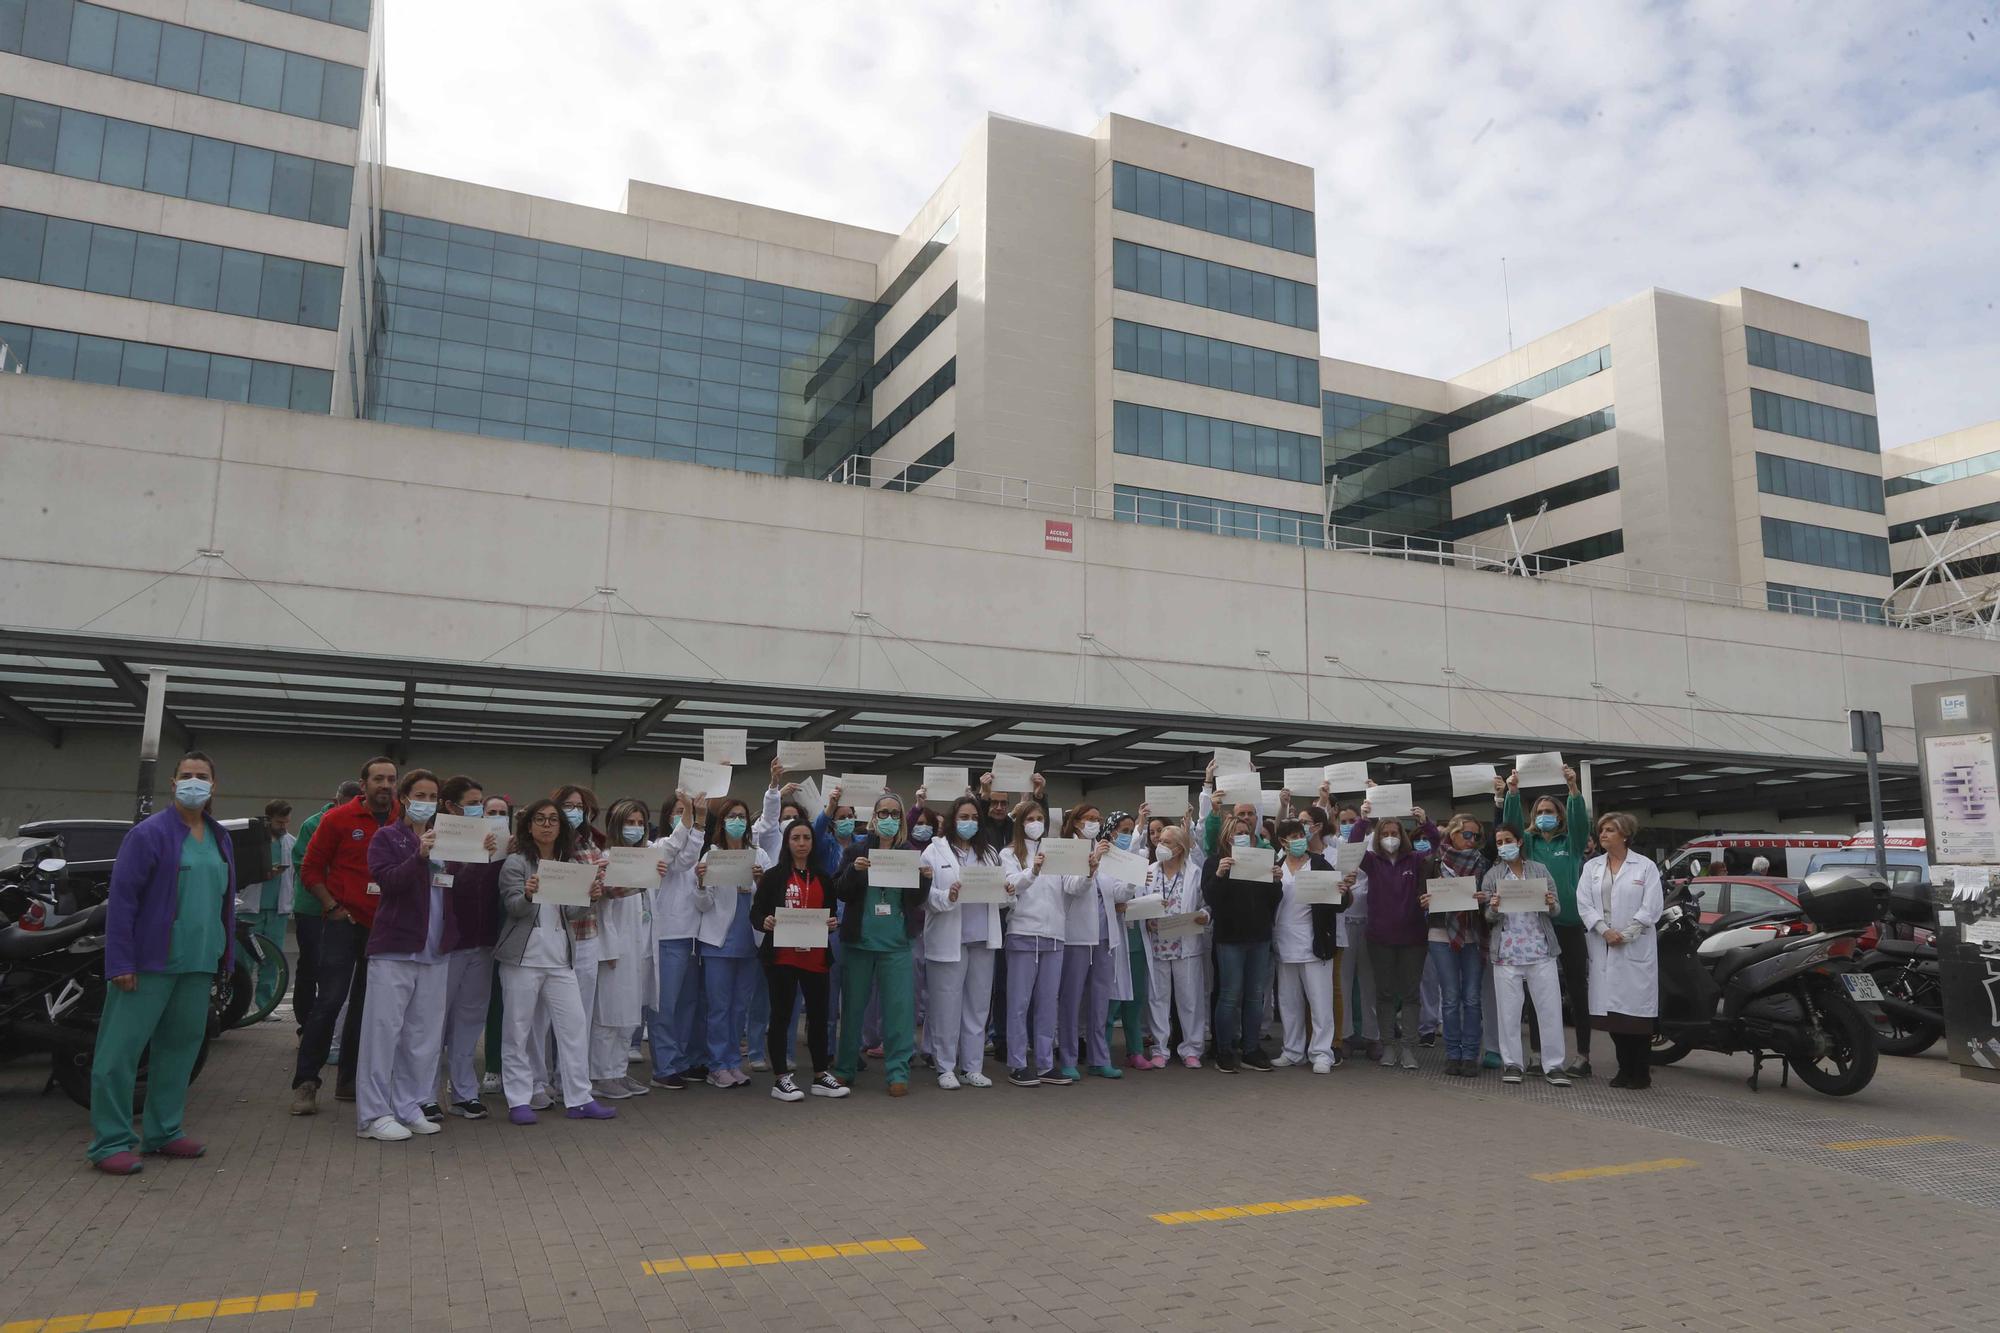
[
  {"x": 234, "y": 998},
  {"x": 1752, "y": 987},
  {"x": 1911, "y": 1018}
]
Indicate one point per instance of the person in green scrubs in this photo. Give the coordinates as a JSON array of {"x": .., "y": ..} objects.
[
  {"x": 308, "y": 913},
  {"x": 169, "y": 923},
  {"x": 876, "y": 929},
  {"x": 274, "y": 908}
]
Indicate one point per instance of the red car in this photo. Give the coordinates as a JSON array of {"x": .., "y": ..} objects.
[{"x": 1721, "y": 895}]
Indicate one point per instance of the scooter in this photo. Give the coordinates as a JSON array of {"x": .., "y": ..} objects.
[
  {"x": 1799, "y": 999},
  {"x": 234, "y": 998},
  {"x": 1912, "y": 1007}
]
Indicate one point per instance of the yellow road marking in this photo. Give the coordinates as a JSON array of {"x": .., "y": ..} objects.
[
  {"x": 1259, "y": 1209},
  {"x": 1623, "y": 1169},
  {"x": 1910, "y": 1140},
  {"x": 184, "y": 1312},
  {"x": 797, "y": 1254}
]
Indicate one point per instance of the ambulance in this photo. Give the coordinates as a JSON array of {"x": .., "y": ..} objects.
[{"x": 1790, "y": 854}]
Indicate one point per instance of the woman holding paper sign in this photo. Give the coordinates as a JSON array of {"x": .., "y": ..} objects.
[
  {"x": 1309, "y": 938},
  {"x": 472, "y": 925},
  {"x": 593, "y": 950},
  {"x": 629, "y": 979},
  {"x": 1392, "y": 877},
  {"x": 1132, "y": 835},
  {"x": 877, "y": 926},
  {"x": 961, "y": 941},
  {"x": 676, "y": 1042},
  {"x": 727, "y": 943},
  {"x": 1177, "y": 974},
  {"x": 1558, "y": 839},
  {"x": 1034, "y": 948},
  {"x": 1245, "y": 910},
  {"x": 1095, "y": 969},
  {"x": 795, "y": 883},
  {"x": 1525, "y": 949},
  {"x": 1618, "y": 895},
  {"x": 1456, "y": 944}
]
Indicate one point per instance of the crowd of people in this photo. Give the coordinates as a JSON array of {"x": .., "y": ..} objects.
[{"x": 412, "y": 969}]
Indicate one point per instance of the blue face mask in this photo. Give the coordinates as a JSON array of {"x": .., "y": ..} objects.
[
  {"x": 921, "y": 833},
  {"x": 734, "y": 826},
  {"x": 1297, "y": 846},
  {"x": 1346, "y": 828},
  {"x": 421, "y": 812},
  {"x": 844, "y": 827},
  {"x": 193, "y": 793},
  {"x": 968, "y": 829},
  {"x": 1546, "y": 823},
  {"x": 1241, "y": 840},
  {"x": 1124, "y": 841},
  {"x": 888, "y": 826},
  {"x": 679, "y": 823},
  {"x": 574, "y": 814},
  {"x": 1510, "y": 851},
  {"x": 1421, "y": 845},
  {"x": 634, "y": 834}
]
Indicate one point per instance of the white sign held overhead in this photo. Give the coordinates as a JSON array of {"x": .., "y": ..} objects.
[
  {"x": 701, "y": 778},
  {"x": 1239, "y": 789},
  {"x": 1540, "y": 770},
  {"x": 802, "y": 756},
  {"x": 1471, "y": 779},
  {"x": 943, "y": 783},
  {"x": 1166, "y": 802},
  {"x": 1014, "y": 776},
  {"x": 725, "y": 745},
  {"x": 1390, "y": 801},
  {"x": 1233, "y": 761},
  {"x": 1304, "y": 781},
  {"x": 1344, "y": 779},
  {"x": 862, "y": 790},
  {"x": 809, "y": 798}
]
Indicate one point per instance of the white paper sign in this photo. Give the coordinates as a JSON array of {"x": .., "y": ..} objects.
[
  {"x": 1540, "y": 770},
  {"x": 1304, "y": 781},
  {"x": 982, "y": 884},
  {"x": 1453, "y": 893},
  {"x": 1345, "y": 778},
  {"x": 1252, "y": 863},
  {"x": 1524, "y": 893},
  {"x": 501, "y": 827},
  {"x": 1233, "y": 761},
  {"x": 1013, "y": 775},
  {"x": 1347, "y": 856},
  {"x": 802, "y": 756},
  {"x": 1239, "y": 789},
  {"x": 944, "y": 784},
  {"x": 1177, "y": 926},
  {"x": 1980, "y": 932},
  {"x": 462, "y": 838},
  {"x": 564, "y": 883},
  {"x": 1268, "y": 803},
  {"x": 701, "y": 778},
  {"x": 800, "y": 928},
  {"x": 1125, "y": 867},
  {"x": 1954, "y": 708},
  {"x": 862, "y": 790},
  {"x": 1471, "y": 779},
  {"x": 891, "y": 868},
  {"x": 1065, "y": 856},
  {"x": 631, "y": 868},
  {"x": 1317, "y": 886},
  {"x": 725, "y": 745},
  {"x": 1151, "y": 907},
  {"x": 1390, "y": 801},
  {"x": 1167, "y": 802},
  {"x": 809, "y": 798},
  {"x": 729, "y": 868}
]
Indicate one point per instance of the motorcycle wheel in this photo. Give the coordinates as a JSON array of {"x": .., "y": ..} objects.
[
  {"x": 71, "y": 1071},
  {"x": 1899, "y": 981},
  {"x": 254, "y": 1013},
  {"x": 230, "y": 996},
  {"x": 1666, "y": 1050},
  {"x": 1845, "y": 1060}
]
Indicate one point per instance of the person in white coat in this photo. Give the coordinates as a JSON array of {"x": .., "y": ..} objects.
[
  {"x": 1177, "y": 975},
  {"x": 961, "y": 941},
  {"x": 1095, "y": 968},
  {"x": 1034, "y": 948},
  {"x": 672, "y": 1033},
  {"x": 1308, "y": 938},
  {"x": 1619, "y": 898},
  {"x": 628, "y": 970},
  {"x": 726, "y": 938}
]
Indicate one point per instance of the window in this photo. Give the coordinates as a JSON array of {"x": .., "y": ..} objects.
[
  {"x": 1971, "y": 516},
  {"x": 1534, "y": 446},
  {"x": 1202, "y": 282},
  {"x": 179, "y": 370},
  {"x": 1977, "y": 466},
  {"x": 1187, "y": 203},
  {"x": 1757, "y": 898},
  {"x": 1814, "y": 421},
  {"x": 1234, "y": 446},
  {"x": 60, "y": 252},
  {"x": 937, "y": 458},
  {"x": 1800, "y": 480},
  {"x": 143, "y": 50},
  {"x": 1796, "y": 356},
  {"x": 347, "y": 13},
  {"x": 1554, "y": 497},
  {"x": 1821, "y": 602},
  {"x": 1227, "y": 518},
  {"x": 1833, "y": 548},
  {"x": 1192, "y": 359},
  {"x": 1569, "y": 372}
]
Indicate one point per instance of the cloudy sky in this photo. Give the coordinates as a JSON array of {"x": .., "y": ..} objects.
[{"x": 1838, "y": 153}]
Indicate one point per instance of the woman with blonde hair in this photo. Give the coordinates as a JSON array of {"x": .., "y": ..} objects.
[{"x": 1619, "y": 897}]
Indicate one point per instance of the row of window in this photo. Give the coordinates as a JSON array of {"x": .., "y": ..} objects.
[
  {"x": 1203, "y": 282},
  {"x": 1832, "y": 548},
  {"x": 1209, "y": 208},
  {"x": 1233, "y": 446},
  {"x": 83, "y": 144},
  {"x": 1973, "y": 566},
  {"x": 1193, "y": 359},
  {"x": 229, "y": 69},
  {"x": 1971, "y": 516},
  {"x": 1814, "y": 421},
  {"x": 1937, "y": 476},
  {"x": 1534, "y": 446},
  {"x": 859, "y": 346},
  {"x": 347, "y": 13},
  {"x": 1600, "y": 547},
  {"x": 1569, "y": 372},
  {"x": 939, "y": 456},
  {"x": 1559, "y": 496},
  {"x": 883, "y": 431},
  {"x": 1813, "y": 361},
  {"x": 855, "y": 408},
  {"x": 113, "y": 261},
  {"x": 1800, "y": 480},
  {"x": 62, "y": 355},
  {"x": 1228, "y": 518},
  {"x": 1828, "y": 605},
  {"x": 1387, "y": 464}
]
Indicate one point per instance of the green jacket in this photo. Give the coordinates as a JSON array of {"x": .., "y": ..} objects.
[
  {"x": 1560, "y": 852},
  {"x": 304, "y": 901}
]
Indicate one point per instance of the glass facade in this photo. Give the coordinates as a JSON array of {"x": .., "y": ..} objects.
[
  {"x": 1821, "y": 602},
  {"x": 1974, "y": 566},
  {"x": 1224, "y": 287},
  {"x": 1214, "y": 363},
  {"x": 347, "y": 13},
  {"x": 1813, "y": 361},
  {"x": 1209, "y": 208},
  {"x": 42, "y": 137},
  {"x": 188, "y": 60},
  {"x": 79, "y": 356},
  {"x": 1977, "y": 466},
  {"x": 112, "y": 261},
  {"x": 1814, "y": 421},
  {"x": 1569, "y": 372},
  {"x": 1935, "y": 524},
  {"x": 1833, "y": 548},
  {"x": 500, "y": 335},
  {"x": 1601, "y": 547},
  {"x": 1168, "y": 509},
  {"x": 1233, "y": 446},
  {"x": 1525, "y": 507},
  {"x": 1386, "y": 465},
  {"x": 901, "y": 415},
  {"x": 1801, "y": 480},
  {"x": 940, "y": 455},
  {"x": 1534, "y": 446}
]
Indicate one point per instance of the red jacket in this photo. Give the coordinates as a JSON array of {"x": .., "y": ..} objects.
[{"x": 338, "y": 856}]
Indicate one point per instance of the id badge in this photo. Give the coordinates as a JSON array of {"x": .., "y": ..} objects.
[
  {"x": 440, "y": 880},
  {"x": 881, "y": 909},
  {"x": 374, "y": 889}
]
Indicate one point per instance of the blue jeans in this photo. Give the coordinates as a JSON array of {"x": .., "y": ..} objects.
[
  {"x": 671, "y": 1028},
  {"x": 1242, "y": 975},
  {"x": 1458, "y": 973},
  {"x": 728, "y": 981}
]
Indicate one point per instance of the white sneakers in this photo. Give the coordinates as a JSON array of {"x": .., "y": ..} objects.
[
  {"x": 422, "y": 1125},
  {"x": 786, "y": 1090},
  {"x": 388, "y": 1129},
  {"x": 635, "y": 1087},
  {"x": 826, "y": 1085},
  {"x": 489, "y": 1083},
  {"x": 1285, "y": 1062},
  {"x": 947, "y": 1080},
  {"x": 975, "y": 1079},
  {"x": 1409, "y": 1056},
  {"x": 540, "y": 1100},
  {"x": 1322, "y": 1066},
  {"x": 1388, "y": 1055}
]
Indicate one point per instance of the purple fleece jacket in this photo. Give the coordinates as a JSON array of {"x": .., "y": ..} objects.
[
  {"x": 146, "y": 894},
  {"x": 396, "y": 863},
  {"x": 1394, "y": 915}
]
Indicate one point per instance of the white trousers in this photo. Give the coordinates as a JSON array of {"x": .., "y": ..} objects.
[
  {"x": 529, "y": 997},
  {"x": 1489, "y": 1010},
  {"x": 1181, "y": 985},
  {"x": 958, "y": 1001},
  {"x": 1543, "y": 985},
  {"x": 584, "y": 969},
  {"x": 1358, "y": 1015},
  {"x": 610, "y": 1051},
  {"x": 402, "y": 1031},
  {"x": 1305, "y": 990},
  {"x": 468, "y": 991}
]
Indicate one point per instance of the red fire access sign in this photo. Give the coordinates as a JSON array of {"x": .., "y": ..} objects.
[{"x": 1058, "y": 535}]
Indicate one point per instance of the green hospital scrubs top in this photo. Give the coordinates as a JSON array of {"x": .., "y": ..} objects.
[
  {"x": 883, "y": 930},
  {"x": 197, "y": 941}
]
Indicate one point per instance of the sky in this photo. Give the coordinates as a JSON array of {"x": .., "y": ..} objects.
[{"x": 1841, "y": 153}]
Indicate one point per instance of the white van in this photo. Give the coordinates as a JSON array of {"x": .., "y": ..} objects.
[
  {"x": 1733, "y": 853},
  {"x": 1908, "y": 854}
]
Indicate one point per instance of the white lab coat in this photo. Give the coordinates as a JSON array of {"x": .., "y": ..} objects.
[
  {"x": 718, "y": 906},
  {"x": 1181, "y": 893},
  {"x": 1624, "y": 978},
  {"x": 944, "y": 922},
  {"x": 1091, "y": 917},
  {"x": 1039, "y": 900},
  {"x": 625, "y": 934},
  {"x": 676, "y": 909}
]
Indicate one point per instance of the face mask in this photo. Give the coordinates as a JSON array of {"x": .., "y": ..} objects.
[
  {"x": 679, "y": 823},
  {"x": 1123, "y": 842},
  {"x": 734, "y": 826},
  {"x": 1297, "y": 846},
  {"x": 192, "y": 793},
  {"x": 888, "y": 825},
  {"x": 968, "y": 829},
  {"x": 921, "y": 833},
  {"x": 1391, "y": 845},
  {"x": 1163, "y": 853},
  {"x": 1346, "y": 828},
  {"x": 1090, "y": 829},
  {"x": 1510, "y": 851},
  {"x": 1546, "y": 823},
  {"x": 421, "y": 811},
  {"x": 844, "y": 827},
  {"x": 1421, "y": 845},
  {"x": 634, "y": 834},
  {"x": 1034, "y": 829},
  {"x": 1241, "y": 840},
  {"x": 574, "y": 814}
]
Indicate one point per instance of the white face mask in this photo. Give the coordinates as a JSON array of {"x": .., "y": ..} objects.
[
  {"x": 1392, "y": 844},
  {"x": 1089, "y": 829},
  {"x": 1163, "y": 853},
  {"x": 1033, "y": 828}
]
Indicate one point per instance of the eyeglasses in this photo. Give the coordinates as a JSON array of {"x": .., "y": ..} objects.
[{"x": 546, "y": 819}]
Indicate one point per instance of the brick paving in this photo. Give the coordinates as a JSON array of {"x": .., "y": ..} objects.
[{"x": 1035, "y": 1207}]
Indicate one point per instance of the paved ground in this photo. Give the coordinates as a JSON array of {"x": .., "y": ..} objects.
[{"x": 1035, "y": 1209}]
